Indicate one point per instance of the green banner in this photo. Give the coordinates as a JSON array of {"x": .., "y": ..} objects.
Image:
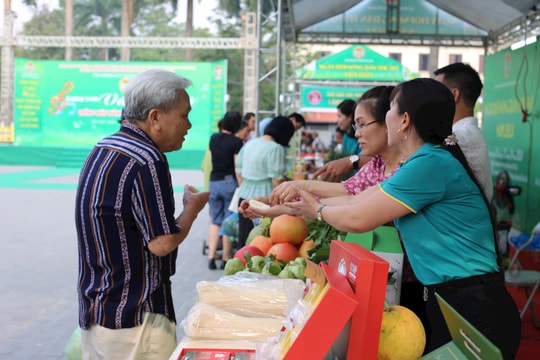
[
  {"x": 415, "y": 17},
  {"x": 355, "y": 63},
  {"x": 76, "y": 103},
  {"x": 321, "y": 98},
  {"x": 319, "y": 102},
  {"x": 511, "y": 83}
]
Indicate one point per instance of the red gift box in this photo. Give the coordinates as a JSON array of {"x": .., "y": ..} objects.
[
  {"x": 328, "y": 318},
  {"x": 367, "y": 274}
]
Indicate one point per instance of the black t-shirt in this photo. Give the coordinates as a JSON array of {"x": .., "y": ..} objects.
[{"x": 223, "y": 148}]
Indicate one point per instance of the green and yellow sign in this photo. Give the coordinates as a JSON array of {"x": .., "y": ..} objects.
[
  {"x": 76, "y": 103},
  {"x": 355, "y": 63}
]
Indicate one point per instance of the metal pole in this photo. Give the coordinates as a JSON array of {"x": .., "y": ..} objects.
[
  {"x": 258, "y": 62},
  {"x": 278, "y": 59}
]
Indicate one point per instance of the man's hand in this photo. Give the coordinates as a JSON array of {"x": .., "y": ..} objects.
[
  {"x": 334, "y": 170},
  {"x": 194, "y": 201},
  {"x": 244, "y": 205}
]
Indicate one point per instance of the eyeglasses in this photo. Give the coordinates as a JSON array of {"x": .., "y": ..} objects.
[{"x": 359, "y": 127}]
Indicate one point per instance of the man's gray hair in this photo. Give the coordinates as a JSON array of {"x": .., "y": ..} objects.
[{"x": 152, "y": 89}]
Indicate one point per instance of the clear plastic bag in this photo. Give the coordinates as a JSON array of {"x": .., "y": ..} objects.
[
  {"x": 73, "y": 349},
  {"x": 251, "y": 294}
]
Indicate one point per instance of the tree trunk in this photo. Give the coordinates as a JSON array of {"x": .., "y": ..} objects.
[
  {"x": 189, "y": 29},
  {"x": 127, "y": 19},
  {"x": 69, "y": 28}
]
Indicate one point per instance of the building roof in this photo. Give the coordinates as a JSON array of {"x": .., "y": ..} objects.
[{"x": 499, "y": 22}]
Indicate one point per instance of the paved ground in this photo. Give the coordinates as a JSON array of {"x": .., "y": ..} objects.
[{"x": 38, "y": 260}]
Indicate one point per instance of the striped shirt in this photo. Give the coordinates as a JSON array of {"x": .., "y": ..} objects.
[{"x": 124, "y": 200}]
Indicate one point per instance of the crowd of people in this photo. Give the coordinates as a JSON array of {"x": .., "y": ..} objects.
[
  {"x": 236, "y": 160},
  {"x": 412, "y": 156}
]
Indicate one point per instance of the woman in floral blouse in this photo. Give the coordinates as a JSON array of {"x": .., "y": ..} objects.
[{"x": 371, "y": 132}]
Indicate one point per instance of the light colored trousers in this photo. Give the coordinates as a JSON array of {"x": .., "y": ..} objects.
[{"x": 155, "y": 339}]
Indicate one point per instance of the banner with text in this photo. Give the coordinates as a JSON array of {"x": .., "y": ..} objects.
[
  {"x": 356, "y": 63},
  {"x": 319, "y": 103},
  {"x": 76, "y": 103},
  {"x": 514, "y": 140}
]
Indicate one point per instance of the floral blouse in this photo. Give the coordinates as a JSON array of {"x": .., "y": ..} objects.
[{"x": 370, "y": 174}]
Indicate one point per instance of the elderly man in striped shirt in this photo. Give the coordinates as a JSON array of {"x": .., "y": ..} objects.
[{"x": 127, "y": 230}]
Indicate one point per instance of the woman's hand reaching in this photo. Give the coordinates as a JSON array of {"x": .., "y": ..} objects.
[
  {"x": 306, "y": 207},
  {"x": 285, "y": 192}
]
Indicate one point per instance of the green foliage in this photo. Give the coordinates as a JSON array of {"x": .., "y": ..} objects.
[
  {"x": 156, "y": 22},
  {"x": 97, "y": 18},
  {"x": 322, "y": 234},
  {"x": 44, "y": 22},
  {"x": 236, "y": 7}
]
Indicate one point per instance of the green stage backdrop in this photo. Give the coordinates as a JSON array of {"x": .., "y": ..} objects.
[
  {"x": 76, "y": 103},
  {"x": 511, "y": 78}
]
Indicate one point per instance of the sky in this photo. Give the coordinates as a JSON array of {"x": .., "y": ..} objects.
[{"x": 200, "y": 11}]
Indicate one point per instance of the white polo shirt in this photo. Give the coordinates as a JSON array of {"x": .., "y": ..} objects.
[{"x": 474, "y": 147}]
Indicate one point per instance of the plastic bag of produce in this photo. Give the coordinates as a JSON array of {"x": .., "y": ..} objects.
[{"x": 230, "y": 226}]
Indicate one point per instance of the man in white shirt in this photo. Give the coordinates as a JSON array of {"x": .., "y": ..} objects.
[{"x": 466, "y": 86}]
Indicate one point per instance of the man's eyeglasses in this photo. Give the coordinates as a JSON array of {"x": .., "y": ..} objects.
[{"x": 359, "y": 127}]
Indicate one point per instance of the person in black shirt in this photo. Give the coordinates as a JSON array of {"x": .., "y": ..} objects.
[{"x": 224, "y": 147}]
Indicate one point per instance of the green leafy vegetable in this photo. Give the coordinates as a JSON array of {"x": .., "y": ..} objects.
[{"x": 322, "y": 234}]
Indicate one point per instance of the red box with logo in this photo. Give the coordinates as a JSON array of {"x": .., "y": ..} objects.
[{"x": 367, "y": 274}]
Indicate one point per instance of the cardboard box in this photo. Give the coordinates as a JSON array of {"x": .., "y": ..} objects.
[
  {"x": 367, "y": 274},
  {"x": 327, "y": 320},
  {"x": 384, "y": 242}
]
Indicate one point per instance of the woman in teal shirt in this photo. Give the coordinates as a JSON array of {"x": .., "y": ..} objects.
[{"x": 441, "y": 213}]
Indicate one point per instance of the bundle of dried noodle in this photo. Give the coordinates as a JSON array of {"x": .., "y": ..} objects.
[
  {"x": 205, "y": 321},
  {"x": 251, "y": 298}
]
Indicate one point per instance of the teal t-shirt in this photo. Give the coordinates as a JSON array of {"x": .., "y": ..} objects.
[
  {"x": 448, "y": 235},
  {"x": 259, "y": 161},
  {"x": 349, "y": 145}
]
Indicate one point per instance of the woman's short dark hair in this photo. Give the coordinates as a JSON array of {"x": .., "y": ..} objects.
[
  {"x": 281, "y": 129},
  {"x": 298, "y": 118},
  {"x": 347, "y": 107},
  {"x": 231, "y": 121},
  {"x": 248, "y": 116},
  {"x": 377, "y": 100}
]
